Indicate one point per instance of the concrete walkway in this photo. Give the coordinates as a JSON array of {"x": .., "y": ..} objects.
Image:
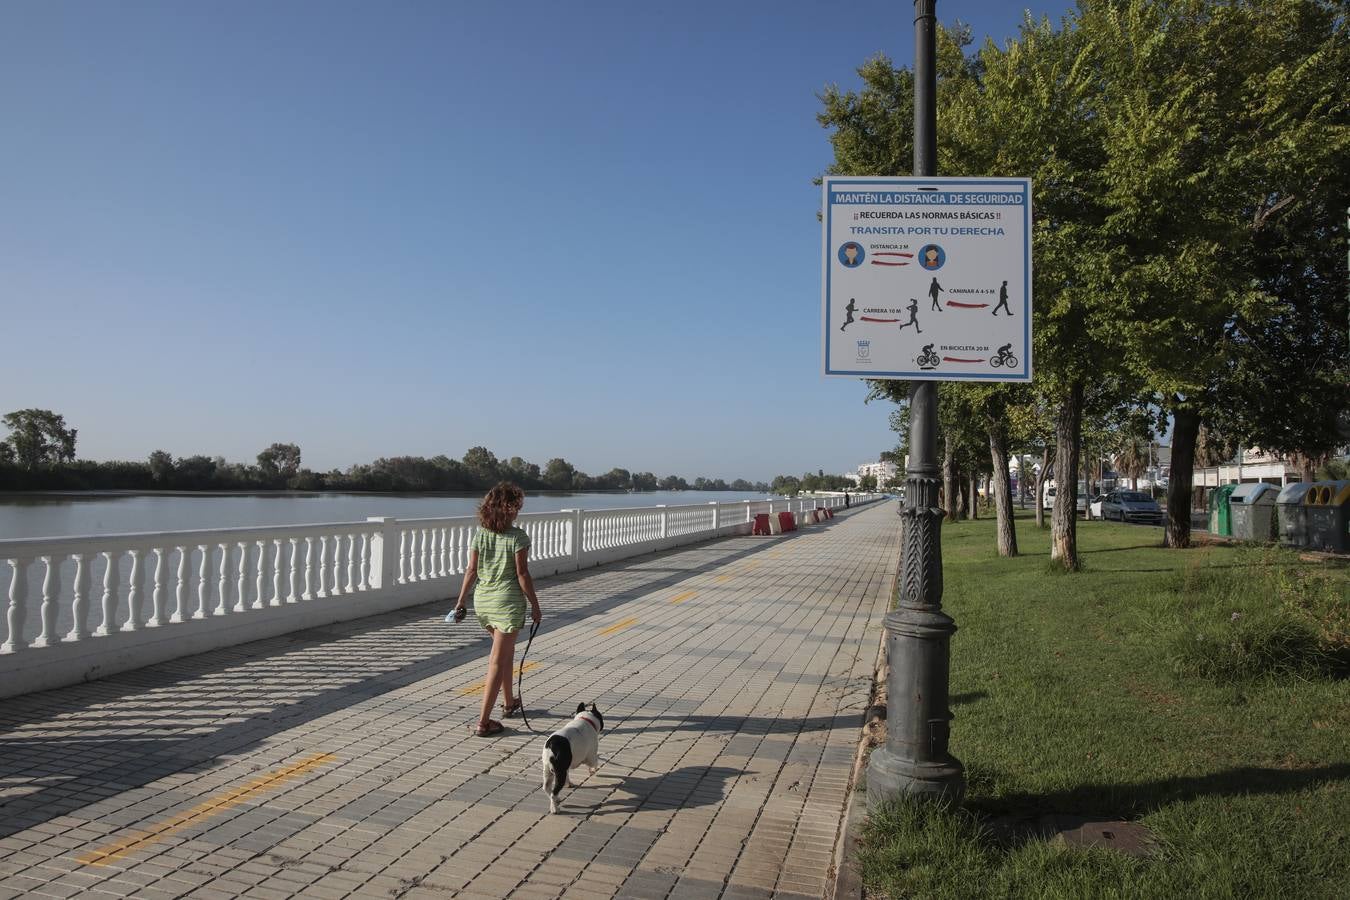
[{"x": 338, "y": 762}]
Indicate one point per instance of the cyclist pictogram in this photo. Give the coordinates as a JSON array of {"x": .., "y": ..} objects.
[
  {"x": 1004, "y": 358},
  {"x": 928, "y": 359}
]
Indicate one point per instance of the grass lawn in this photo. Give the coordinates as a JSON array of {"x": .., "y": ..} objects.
[{"x": 1202, "y": 693}]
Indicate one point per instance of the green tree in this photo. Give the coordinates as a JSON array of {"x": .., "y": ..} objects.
[
  {"x": 559, "y": 474},
  {"x": 39, "y": 437},
  {"x": 161, "y": 467},
  {"x": 1225, "y": 123},
  {"x": 483, "y": 466},
  {"x": 279, "y": 461}
]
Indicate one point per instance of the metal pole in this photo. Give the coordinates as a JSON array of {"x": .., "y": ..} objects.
[{"x": 914, "y": 759}]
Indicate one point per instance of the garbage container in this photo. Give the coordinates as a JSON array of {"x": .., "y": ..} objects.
[
  {"x": 1327, "y": 505},
  {"x": 1220, "y": 520},
  {"x": 1251, "y": 509},
  {"x": 1291, "y": 511}
]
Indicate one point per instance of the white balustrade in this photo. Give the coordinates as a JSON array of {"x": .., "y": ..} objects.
[{"x": 246, "y": 583}]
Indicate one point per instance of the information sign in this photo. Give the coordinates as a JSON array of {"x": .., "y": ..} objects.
[{"x": 927, "y": 279}]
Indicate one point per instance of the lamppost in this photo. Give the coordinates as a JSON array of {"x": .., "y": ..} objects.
[{"x": 914, "y": 759}]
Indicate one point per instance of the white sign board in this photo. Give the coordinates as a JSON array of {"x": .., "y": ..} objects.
[{"x": 927, "y": 279}]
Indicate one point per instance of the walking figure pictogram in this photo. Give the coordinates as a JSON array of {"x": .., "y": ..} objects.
[
  {"x": 933, "y": 290},
  {"x": 1003, "y": 300}
]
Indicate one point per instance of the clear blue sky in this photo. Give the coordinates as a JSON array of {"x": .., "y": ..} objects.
[{"x": 554, "y": 229}]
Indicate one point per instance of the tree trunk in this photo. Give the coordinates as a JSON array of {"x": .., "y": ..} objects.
[
  {"x": 1185, "y": 430},
  {"x": 949, "y": 489},
  {"x": 1039, "y": 488},
  {"x": 1002, "y": 488},
  {"x": 1064, "y": 519},
  {"x": 974, "y": 496}
]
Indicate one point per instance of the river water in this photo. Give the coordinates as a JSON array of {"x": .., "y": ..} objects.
[{"x": 85, "y": 513}]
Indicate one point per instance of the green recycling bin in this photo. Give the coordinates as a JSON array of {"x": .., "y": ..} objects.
[
  {"x": 1252, "y": 511},
  {"x": 1220, "y": 516},
  {"x": 1326, "y": 505},
  {"x": 1292, "y": 514}
]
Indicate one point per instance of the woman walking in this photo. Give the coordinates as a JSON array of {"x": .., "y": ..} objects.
[{"x": 498, "y": 563}]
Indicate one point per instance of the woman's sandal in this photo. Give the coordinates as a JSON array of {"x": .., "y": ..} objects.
[
  {"x": 492, "y": 727},
  {"x": 510, "y": 712}
]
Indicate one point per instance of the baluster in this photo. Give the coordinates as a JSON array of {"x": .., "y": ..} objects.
[
  {"x": 223, "y": 585},
  {"x": 336, "y": 581},
  {"x": 322, "y": 571},
  {"x": 272, "y": 550},
  {"x": 261, "y": 576},
  {"x": 203, "y": 583},
  {"x": 309, "y": 569},
  {"x": 351, "y": 563},
  {"x": 18, "y": 605},
  {"x": 424, "y": 555},
  {"x": 47, "y": 612},
  {"x": 133, "y": 622},
  {"x": 111, "y": 575},
  {"x": 365, "y": 562},
  {"x": 438, "y": 537},
  {"x": 79, "y": 625},
  {"x": 157, "y": 595},
  {"x": 402, "y": 556},
  {"x": 294, "y": 595},
  {"x": 414, "y": 552},
  {"x": 241, "y": 578},
  {"x": 180, "y": 596}
]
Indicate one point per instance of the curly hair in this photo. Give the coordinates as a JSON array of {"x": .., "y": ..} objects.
[{"x": 498, "y": 509}]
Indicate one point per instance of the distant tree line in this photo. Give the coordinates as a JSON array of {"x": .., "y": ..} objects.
[
  {"x": 39, "y": 454},
  {"x": 790, "y": 485}
]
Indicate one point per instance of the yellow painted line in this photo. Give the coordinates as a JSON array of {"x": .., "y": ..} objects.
[
  {"x": 217, "y": 804},
  {"x": 680, "y": 598},
  {"x": 722, "y": 578},
  {"x": 626, "y": 623},
  {"x": 477, "y": 686}
]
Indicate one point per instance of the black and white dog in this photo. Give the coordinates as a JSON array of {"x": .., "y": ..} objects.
[{"x": 575, "y": 743}]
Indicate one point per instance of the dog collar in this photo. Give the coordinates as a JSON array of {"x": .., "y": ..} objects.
[{"x": 590, "y": 723}]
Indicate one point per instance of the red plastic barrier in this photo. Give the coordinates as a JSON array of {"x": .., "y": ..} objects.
[
  {"x": 761, "y": 524},
  {"x": 788, "y": 521}
]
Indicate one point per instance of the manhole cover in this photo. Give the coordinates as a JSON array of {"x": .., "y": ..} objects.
[{"x": 1129, "y": 838}]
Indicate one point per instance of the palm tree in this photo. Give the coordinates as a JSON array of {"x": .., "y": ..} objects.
[{"x": 1131, "y": 460}]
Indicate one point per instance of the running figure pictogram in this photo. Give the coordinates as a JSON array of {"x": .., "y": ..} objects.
[
  {"x": 913, "y": 316},
  {"x": 849, "y": 309}
]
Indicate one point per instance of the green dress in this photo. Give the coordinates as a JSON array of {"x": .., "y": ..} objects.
[{"x": 498, "y": 601}]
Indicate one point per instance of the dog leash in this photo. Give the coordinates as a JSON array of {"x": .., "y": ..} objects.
[{"x": 520, "y": 679}]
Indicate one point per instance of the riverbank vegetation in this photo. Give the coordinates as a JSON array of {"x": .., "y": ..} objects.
[
  {"x": 1202, "y": 694},
  {"x": 39, "y": 454}
]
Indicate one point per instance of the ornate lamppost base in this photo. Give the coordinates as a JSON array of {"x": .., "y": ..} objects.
[{"x": 889, "y": 776}]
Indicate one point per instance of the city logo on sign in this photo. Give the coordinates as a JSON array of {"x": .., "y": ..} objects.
[{"x": 864, "y": 349}]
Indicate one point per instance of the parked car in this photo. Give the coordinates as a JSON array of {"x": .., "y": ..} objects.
[
  {"x": 1049, "y": 490},
  {"x": 1131, "y": 506}
]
